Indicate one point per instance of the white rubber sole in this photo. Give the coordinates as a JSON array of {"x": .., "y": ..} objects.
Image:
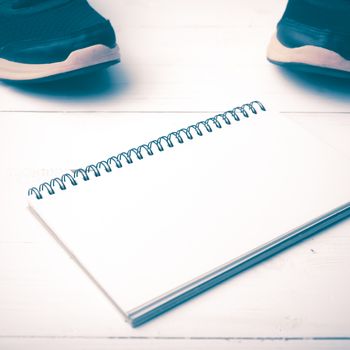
[
  {"x": 79, "y": 59},
  {"x": 308, "y": 55}
]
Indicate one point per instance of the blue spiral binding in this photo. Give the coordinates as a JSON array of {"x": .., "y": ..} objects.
[{"x": 146, "y": 149}]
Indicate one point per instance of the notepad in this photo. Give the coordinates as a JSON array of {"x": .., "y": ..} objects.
[{"x": 157, "y": 224}]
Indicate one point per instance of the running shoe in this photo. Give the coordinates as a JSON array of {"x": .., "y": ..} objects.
[
  {"x": 314, "y": 36},
  {"x": 44, "y": 40}
]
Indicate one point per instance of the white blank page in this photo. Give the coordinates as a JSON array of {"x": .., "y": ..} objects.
[{"x": 153, "y": 225}]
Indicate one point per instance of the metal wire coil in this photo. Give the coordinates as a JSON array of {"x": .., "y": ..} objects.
[{"x": 139, "y": 152}]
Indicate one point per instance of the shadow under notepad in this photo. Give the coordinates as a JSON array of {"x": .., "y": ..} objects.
[
  {"x": 323, "y": 85},
  {"x": 92, "y": 86}
]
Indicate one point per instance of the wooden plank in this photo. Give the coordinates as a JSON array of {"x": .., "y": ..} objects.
[
  {"x": 180, "y": 57},
  {"x": 87, "y": 343},
  {"x": 301, "y": 293},
  {"x": 70, "y": 140}
]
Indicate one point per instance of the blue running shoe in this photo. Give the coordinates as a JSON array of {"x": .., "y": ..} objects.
[
  {"x": 314, "y": 36},
  {"x": 51, "y": 39}
]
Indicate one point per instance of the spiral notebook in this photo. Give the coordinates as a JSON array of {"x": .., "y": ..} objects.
[{"x": 157, "y": 224}]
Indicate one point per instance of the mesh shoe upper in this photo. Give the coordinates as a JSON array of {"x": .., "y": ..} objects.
[{"x": 37, "y": 31}]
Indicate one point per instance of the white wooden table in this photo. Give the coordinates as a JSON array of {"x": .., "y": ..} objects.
[{"x": 181, "y": 60}]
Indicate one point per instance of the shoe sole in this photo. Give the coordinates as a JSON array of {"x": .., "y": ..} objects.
[
  {"x": 78, "y": 62},
  {"x": 308, "y": 58}
]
